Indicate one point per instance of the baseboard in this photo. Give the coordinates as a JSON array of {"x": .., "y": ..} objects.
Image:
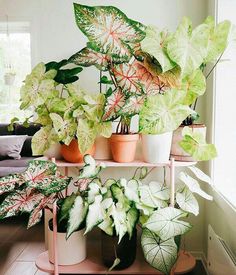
[{"x": 199, "y": 255}]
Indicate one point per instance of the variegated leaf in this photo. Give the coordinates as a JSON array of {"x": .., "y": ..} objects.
[
  {"x": 38, "y": 169},
  {"x": 88, "y": 57},
  {"x": 127, "y": 79},
  {"x": 133, "y": 105},
  {"x": 20, "y": 201},
  {"x": 114, "y": 104},
  {"x": 36, "y": 214},
  {"x": 50, "y": 184},
  {"x": 148, "y": 198},
  {"x": 108, "y": 29},
  {"x": 8, "y": 183},
  {"x": 159, "y": 190}
]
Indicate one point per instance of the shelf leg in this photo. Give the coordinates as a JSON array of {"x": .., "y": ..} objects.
[
  {"x": 55, "y": 238},
  {"x": 172, "y": 182},
  {"x": 66, "y": 174}
]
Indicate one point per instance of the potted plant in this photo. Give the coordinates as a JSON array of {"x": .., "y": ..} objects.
[
  {"x": 67, "y": 114},
  {"x": 204, "y": 44},
  {"x": 37, "y": 189}
]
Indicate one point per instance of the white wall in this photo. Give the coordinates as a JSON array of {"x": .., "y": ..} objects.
[{"x": 55, "y": 36}]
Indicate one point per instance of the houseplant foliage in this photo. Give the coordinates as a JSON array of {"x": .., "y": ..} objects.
[{"x": 63, "y": 109}]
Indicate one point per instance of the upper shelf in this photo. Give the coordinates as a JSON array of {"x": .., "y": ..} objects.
[{"x": 135, "y": 163}]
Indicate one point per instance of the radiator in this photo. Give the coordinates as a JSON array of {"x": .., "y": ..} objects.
[{"x": 221, "y": 261}]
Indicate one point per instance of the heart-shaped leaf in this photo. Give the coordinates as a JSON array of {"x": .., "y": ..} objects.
[
  {"x": 200, "y": 174},
  {"x": 166, "y": 224},
  {"x": 160, "y": 254},
  {"x": 148, "y": 198},
  {"x": 8, "y": 183},
  {"x": 187, "y": 202}
]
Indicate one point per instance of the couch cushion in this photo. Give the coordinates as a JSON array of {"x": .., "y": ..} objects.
[
  {"x": 30, "y": 131},
  {"x": 26, "y": 149},
  {"x": 5, "y": 171},
  {"x": 11, "y": 146},
  {"x": 23, "y": 162}
]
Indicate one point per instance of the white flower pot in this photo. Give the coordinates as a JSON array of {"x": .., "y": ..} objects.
[
  {"x": 156, "y": 148},
  {"x": 103, "y": 151},
  {"x": 71, "y": 251},
  {"x": 9, "y": 79},
  {"x": 176, "y": 151},
  {"x": 54, "y": 151}
]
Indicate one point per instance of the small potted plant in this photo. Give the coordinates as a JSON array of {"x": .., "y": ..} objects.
[
  {"x": 67, "y": 114},
  {"x": 37, "y": 189},
  {"x": 204, "y": 44}
]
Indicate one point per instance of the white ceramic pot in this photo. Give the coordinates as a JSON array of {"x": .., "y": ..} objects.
[
  {"x": 103, "y": 151},
  {"x": 71, "y": 251},
  {"x": 54, "y": 151},
  {"x": 176, "y": 151},
  {"x": 156, "y": 148},
  {"x": 9, "y": 79}
]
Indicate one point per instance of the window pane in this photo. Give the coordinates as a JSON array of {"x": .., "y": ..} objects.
[
  {"x": 225, "y": 113},
  {"x": 15, "y": 58}
]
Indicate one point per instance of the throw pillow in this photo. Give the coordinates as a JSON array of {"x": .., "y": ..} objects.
[{"x": 10, "y": 146}]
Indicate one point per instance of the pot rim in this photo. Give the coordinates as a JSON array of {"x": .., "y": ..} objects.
[{"x": 126, "y": 137}]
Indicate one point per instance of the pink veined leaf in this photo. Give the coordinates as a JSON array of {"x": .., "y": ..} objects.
[
  {"x": 127, "y": 78},
  {"x": 82, "y": 183},
  {"x": 38, "y": 169},
  {"x": 151, "y": 84},
  {"x": 108, "y": 29},
  {"x": 36, "y": 214},
  {"x": 88, "y": 57},
  {"x": 8, "y": 183},
  {"x": 20, "y": 201},
  {"x": 114, "y": 105},
  {"x": 133, "y": 105}
]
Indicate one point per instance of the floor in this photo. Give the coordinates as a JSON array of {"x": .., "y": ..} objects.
[{"x": 19, "y": 248}]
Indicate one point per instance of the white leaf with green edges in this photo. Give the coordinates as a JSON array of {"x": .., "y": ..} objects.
[
  {"x": 77, "y": 215},
  {"x": 194, "y": 143},
  {"x": 131, "y": 220},
  {"x": 119, "y": 216},
  {"x": 131, "y": 189},
  {"x": 160, "y": 254},
  {"x": 155, "y": 43},
  {"x": 107, "y": 225},
  {"x": 148, "y": 199},
  {"x": 200, "y": 174},
  {"x": 166, "y": 224},
  {"x": 93, "y": 191},
  {"x": 193, "y": 185},
  {"x": 187, "y": 202},
  {"x": 95, "y": 214},
  {"x": 159, "y": 190},
  {"x": 187, "y": 48},
  {"x": 163, "y": 113}
]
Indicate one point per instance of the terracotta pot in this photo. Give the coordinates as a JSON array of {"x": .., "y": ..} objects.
[
  {"x": 125, "y": 250},
  {"x": 103, "y": 150},
  {"x": 156, "y": 148},
  {"x": 71, "y": 153},
  {"x": 123, "y": 147},
  {"x": 71, "y": 251},
  {"x": 176, "y": 151}
]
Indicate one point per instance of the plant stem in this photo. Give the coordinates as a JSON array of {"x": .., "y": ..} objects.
[
  {"x": 214, "y": 65},
  {"x": 100, "y": 86}
]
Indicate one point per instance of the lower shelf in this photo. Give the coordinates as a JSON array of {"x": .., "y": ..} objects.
[{"x": 93, "y": 265}]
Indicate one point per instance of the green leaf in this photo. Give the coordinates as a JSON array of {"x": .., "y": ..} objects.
[
  {"x": 104, "y": 80},
  {"x": 8, "y": 183},
  {"x": 95, "y": 214},
  {"x": 166, "y": 224},
  {"x": 193, "y": 185},
  {"x": 118, "y": 195},
  {"x": 187, "y": 48},
  {"x": 194, "y": 143},
  {"x": 64, "y": 210},
  {"x": 50, "y": 184},
  {"x": 64, "y": 128},
  {"x": 131, "y": 220},
  {"x": 86, "y": 135},
  {"x": 218, "y": 39},
  {"x": 187, "y": 202},
  {"x": 140, "y": 173},
  {"x": 155, "y": 43},
  {"x": 194, "y": 85},
  {"x": 42, "y": 140},
  {"x": 39, "y": 169},
  {"x": 77, "y": 215},
  {"x": 163, "y": 113},
  {"x": 160, "y": 254},
  {"x": 68, "y": 75},
  {"x": 108, "y": 29}
]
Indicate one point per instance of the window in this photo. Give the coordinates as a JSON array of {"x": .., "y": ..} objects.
[
  {"x": 225, "y": 112},
  {"x": 15, "y": 59}
]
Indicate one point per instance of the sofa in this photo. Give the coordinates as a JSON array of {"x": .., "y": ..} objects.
[{"x": 12, "y": 166}]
